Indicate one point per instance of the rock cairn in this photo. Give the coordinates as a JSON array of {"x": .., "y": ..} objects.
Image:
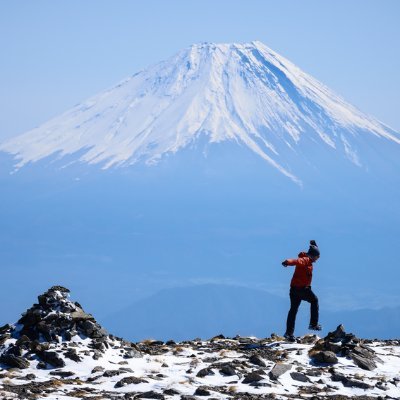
[
  {"x": 341, "y": 344},
  {"x": 54, "y": 320}
]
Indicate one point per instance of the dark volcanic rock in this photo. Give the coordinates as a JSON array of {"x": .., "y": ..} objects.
[
  {"x": 129, "y": 380},
  {"x": 202, "y": 392},
  {"x": 253, "y": 377},
  {"x": 205, "y": 371},
  {"x": 326, "y": 357},
  {"x": 62, "y": 374},
  {"x": 363, "y": 362},
  {"x": 4, "y": 337},
  {"x": 112, "y": 372},
  {"x": 171, "y": 392},
  {"x": 52, "y": 358},
  {"x": 5, "y": 328},
  {"x": 14, "y": 361},
  {"x": 150, "y": 395},
  {"x": 256, "y": 360},
  {"x": 227, "y": 370},
  {"x": 348, "y": 382},
  {"x": 72, "y": 355},
  {"x": 298, "y": 376}
]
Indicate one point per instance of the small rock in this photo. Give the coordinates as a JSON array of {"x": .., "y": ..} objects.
[
  {"x": 227, "y": 370},
  {"x": 204, "y": 372},
  {"x": 62, "y": 374},
  {"x": 298, "y": 376},
  {"x": 132, "y": 353},
  {"x": 23, "y": 340},
  {"x": 202, "y": 392},
  {"x": 171, "y": 392},
  {"x": 112, "y": 372},
  {"x": 72, "y": 355},
  {"x": 252, "y": 377},
  {"x": 4, "y": 328},
  {"x": 129, "y": 380},
  {"x": 97, "y": 369},
  {"x": 150, "y": 395},
  {"x": 80, "y": 315}
]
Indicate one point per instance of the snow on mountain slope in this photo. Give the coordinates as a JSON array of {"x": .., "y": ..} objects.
[{"x": 244, "y": 93}]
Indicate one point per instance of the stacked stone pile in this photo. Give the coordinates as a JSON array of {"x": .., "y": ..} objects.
[
  {"x": 52, "y": 322},
  {"x": 341, "y": 344}
]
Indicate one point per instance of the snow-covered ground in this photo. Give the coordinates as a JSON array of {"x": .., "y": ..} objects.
[{"x": 105, "y": 367}]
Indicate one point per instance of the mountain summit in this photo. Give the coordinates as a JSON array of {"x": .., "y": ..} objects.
[
  {"x": 243, "y": 93},
  {"x": 57, "y": 351}
]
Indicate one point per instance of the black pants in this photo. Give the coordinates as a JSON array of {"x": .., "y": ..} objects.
[{"x": 296, "y": 296}]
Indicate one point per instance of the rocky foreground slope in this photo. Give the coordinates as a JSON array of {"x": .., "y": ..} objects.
[{"x": 57, "y": 351}]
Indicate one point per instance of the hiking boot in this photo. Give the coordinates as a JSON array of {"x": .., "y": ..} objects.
[
  {"x": 289, "y": 337},
  {"x": 316, "y": 327}
]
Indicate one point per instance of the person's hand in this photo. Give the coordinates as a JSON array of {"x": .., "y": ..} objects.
[{"x": 285, "y": 263}]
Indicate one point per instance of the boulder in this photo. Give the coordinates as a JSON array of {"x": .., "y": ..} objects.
[
  {"x": 52, "y": 358},
  {"x": 257, "y": 360},
  {"x": 14, "y": 361},
  {"x": 326, "y": 357},
  {"x": 80, "y": 315},
  {"x": 278, "y": 370},
  {"x": 132, "y": 353},
  {"x": 23, "y": 341},
  {"x": 363, "y": 362},
  {"x": 347, "y": 382},
  {"x": 227, "y": 370}
]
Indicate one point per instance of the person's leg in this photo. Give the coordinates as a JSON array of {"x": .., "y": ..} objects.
[
  {"x": 314, "y": 306},
  {"x": 295, "y": 301}
]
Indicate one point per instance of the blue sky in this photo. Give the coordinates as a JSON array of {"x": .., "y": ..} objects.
[{"x": 55, "y": 54}]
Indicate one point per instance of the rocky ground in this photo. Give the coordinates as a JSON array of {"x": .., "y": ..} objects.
[{"x": 57, "y": 351}]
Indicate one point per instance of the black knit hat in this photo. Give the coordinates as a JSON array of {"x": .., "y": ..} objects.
[{"x": 313, "y": 251}]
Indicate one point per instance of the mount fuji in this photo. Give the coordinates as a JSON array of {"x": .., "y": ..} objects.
[{"x": 207, "y": 94}]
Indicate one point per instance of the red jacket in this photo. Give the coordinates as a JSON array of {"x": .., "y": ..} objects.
[{"x": 303, "y": 273}]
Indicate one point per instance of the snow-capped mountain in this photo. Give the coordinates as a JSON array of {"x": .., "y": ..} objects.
[{"x": 242, "y": 93}]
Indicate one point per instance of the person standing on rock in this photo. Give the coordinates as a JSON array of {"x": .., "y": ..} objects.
[{"x": 300, "y": 289}]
